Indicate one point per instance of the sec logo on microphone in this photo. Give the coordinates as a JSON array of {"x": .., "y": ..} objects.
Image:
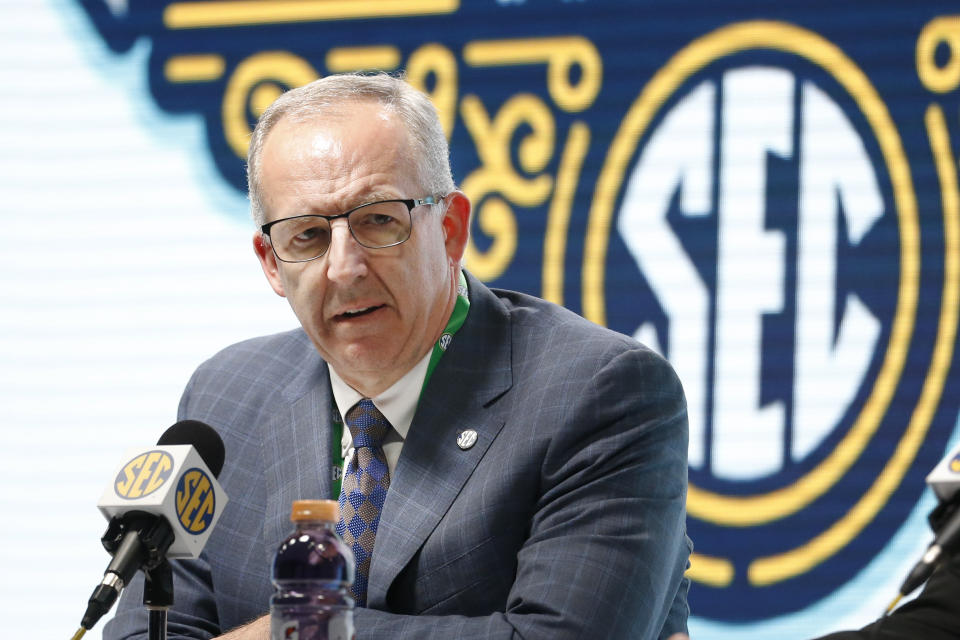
[
  {"x": 195, "y": 501},
  {"x": 143, "y": 475}
]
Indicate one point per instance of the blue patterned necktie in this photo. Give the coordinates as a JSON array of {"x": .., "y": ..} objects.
[{"x": 365, "y": 485}]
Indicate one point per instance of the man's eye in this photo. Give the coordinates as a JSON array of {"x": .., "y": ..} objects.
[
  {"x": 382, "y": 218},
  {"x": 374, "y": 219},
  {"x": 310, "y": 234}
]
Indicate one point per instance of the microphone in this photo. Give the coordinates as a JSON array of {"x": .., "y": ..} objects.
[
  {"x": 945, "y": 519},
  {"x": 163, "y": 503}
]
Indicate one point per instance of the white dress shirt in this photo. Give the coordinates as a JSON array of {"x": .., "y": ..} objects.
[{"x": 397, "y": 404}]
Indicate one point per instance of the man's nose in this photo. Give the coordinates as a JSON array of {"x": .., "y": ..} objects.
[{"x": 346, "y": 259}]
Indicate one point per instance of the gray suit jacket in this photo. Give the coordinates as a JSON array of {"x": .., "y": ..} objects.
[{"x": 564, "y": 520}]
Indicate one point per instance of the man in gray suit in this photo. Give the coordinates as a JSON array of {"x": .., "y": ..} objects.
[{"x": 536, "y": 463}]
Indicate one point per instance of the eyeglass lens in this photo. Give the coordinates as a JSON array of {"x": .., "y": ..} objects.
[{"x": 376, "y": 225}]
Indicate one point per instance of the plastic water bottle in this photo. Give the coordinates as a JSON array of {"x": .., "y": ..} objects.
[{"x": 312, "y": 572}]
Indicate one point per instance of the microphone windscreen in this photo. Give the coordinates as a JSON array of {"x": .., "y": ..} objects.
[{"x": 202, "y": 437}]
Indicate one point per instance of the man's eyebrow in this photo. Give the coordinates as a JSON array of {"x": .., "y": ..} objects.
[
  {"x": 376, "y": 196},
  {"x": 367, "y": 198}
]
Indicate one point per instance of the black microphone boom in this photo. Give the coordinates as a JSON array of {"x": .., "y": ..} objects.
[
  {"x": 944, "y": 479},
  {"x": 946, "y": 542}
]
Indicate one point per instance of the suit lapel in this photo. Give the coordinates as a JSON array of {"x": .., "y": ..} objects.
[
  {"x": 297, "y": 446},
  {"x": 432, "y": 469}
]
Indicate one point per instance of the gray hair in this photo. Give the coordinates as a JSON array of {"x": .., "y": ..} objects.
[{"x": 329, "y": 95}]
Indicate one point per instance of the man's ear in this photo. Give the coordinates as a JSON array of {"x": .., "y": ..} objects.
[
  {"x": 456, "y": 225},
  {"x": 268, "y": 262}
]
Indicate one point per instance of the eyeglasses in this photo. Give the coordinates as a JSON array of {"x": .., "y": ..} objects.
[{"x": 375, "y": 225}]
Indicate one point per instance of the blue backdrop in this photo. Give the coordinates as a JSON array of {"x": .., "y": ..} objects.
[{"x": 765, "y": 194}]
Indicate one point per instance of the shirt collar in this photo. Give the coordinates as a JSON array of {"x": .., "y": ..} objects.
[{"x": 397, "y": 404}]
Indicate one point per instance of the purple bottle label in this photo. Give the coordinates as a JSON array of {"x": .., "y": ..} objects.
[{"x": 311, "y": 624}]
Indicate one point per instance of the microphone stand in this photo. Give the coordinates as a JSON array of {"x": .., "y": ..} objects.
[
  {"x": 157, "y": 598},
  {"x": 153, "y": 537}
]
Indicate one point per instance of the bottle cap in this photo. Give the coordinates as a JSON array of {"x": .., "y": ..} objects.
[{"x": 313, "y": 510}]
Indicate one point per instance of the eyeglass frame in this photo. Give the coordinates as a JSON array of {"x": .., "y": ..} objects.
[{"x": 410, "y": 203}]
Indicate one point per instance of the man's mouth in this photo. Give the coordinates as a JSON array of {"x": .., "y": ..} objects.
[{"x": 356, "y": 313}]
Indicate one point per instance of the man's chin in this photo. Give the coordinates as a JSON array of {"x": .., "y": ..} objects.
[{"x": 365, "y": 366}]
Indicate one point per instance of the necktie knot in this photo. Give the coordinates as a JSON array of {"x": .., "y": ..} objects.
[{"x": 368, "y": 427}]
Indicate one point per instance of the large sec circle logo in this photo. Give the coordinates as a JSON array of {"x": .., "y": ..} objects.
[
  {"x": 143, "y": 475},
  {"x": 195, "y": 501},
  {"x": 760, "y": 188}
]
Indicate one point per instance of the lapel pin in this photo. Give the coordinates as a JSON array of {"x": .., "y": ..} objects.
[
  {"x": 467, "y": 439},
  {"x": 445, "y": 341}
]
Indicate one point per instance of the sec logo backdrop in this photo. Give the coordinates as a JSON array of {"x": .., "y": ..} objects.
[{"x": 761, "y": 193}]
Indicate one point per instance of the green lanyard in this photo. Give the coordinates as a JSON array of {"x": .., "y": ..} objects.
[{"x": 456, "y": 321}]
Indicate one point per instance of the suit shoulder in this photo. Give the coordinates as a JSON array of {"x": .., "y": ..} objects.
[
  {"x": 552, "y": 343},
  {"x": 250, "y": 382},
  {"x": 533, "y": 316},
  {"x": 279, "y": 351},
  {"x": 253, "y": 370}
]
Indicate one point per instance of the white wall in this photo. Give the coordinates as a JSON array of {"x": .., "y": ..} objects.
[{"x": 125, "y": 262}]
